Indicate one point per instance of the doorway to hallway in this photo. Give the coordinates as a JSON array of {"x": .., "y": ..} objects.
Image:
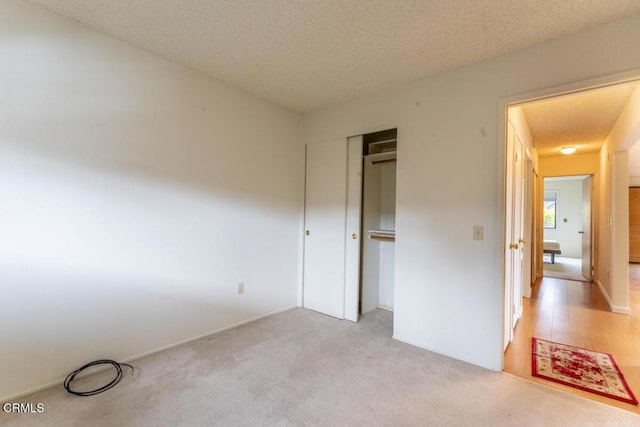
[
  {"x": 574, "y": 310},
  {"x": 567, "y": 213},
  {"x": 563, "y": 134}
]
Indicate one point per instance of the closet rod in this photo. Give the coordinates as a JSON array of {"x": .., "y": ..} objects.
[
  {"x": 384, "y": 235},
  {"x": 375, "y": 162}
]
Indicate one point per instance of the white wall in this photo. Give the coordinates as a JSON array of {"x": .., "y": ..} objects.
[
  {"x": 613, "y": 279},
  {"x": 135, "y": 195},
  {"x": 568, "y": 216},
  {"x": 634, "y": 165},
  {"x": 614, "y": 223},
  {"x": 448, "y": 288},
  {"x": 619, "y": 297}
]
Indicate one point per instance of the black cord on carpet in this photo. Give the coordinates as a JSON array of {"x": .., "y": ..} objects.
[{"x": 116, "y": 380}]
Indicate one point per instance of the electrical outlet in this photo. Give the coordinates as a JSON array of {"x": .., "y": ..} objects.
[
  {"x": 478, "y": 232},
  {"x": 240, "y": 288}
]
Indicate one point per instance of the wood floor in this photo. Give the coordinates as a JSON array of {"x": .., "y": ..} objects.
[{"x": 576, "y": 313}]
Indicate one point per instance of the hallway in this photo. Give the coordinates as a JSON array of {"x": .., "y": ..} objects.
[{"x": 575, "y": 313}]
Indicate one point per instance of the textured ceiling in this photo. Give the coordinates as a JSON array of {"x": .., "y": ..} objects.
[
  {"x": 306, "y": 54},
  {"x": 583, "y": 119}
]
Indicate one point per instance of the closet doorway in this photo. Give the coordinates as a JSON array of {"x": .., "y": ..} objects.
[
  {"x": 378, "y": 221},
  {"x": 349, "y": 229}
]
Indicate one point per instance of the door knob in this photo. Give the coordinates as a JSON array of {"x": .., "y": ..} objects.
[
  {"x": 513, "y": 246},
  {"x": 580, "y": 232},
  {"x": 354, "y": 236},
  {"x": 521, "y": 240},
  {"x": 307, "y": 232}
]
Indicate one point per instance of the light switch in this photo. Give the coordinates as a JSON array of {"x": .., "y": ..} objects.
[{"x": 478, "y": 232}]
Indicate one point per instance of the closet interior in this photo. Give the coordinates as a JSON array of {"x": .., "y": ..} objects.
[{"x": 378, "y": 218}]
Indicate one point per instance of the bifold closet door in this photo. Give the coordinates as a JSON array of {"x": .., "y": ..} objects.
[{"x": 325, "y": 227}]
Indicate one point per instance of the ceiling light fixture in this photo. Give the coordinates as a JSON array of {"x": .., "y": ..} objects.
[{"x": 568, "y": 150}]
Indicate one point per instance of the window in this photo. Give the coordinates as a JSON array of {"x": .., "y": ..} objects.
[{"x": 549, "y": 208}]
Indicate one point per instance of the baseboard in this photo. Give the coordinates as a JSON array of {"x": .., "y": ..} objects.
[
  {"x": 614, "y": 308},
  {"x": 145, "y": 354},
  {"x": 439, "y": 351}
]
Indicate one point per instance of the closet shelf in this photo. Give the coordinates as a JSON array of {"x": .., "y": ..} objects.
[
  {"x": 383, "y": 146},
  {"x": 383, "y": 235}
]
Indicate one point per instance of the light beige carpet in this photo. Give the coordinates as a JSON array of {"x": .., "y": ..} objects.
[
  {"x": 564, "y": 268},
  {"x": 302, "y": 368}
]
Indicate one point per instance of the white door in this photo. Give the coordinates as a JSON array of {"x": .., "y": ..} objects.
[
  {"x": 352, "y": 246},
  {"x": 586, "y": 228},
  {"x": 325, "y": 216},
  {"x": 513, "y": 234},
  {"x": 508, "y": 252},
  {"x": 517, "y": 228}
]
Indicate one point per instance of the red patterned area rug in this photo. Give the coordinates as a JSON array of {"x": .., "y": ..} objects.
[{"x": 579, "y": 368}]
